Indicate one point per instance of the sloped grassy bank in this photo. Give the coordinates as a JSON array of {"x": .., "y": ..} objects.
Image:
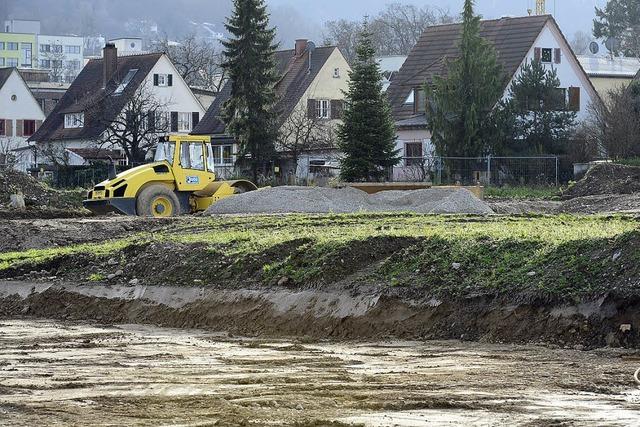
[{"x": 503, "y": 278}]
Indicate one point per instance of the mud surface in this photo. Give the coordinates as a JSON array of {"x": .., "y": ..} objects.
[
  {"x": 19, "y": 235},
  {"x": 80, "y": 374}
]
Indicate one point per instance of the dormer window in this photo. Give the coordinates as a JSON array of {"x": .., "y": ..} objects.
[
  {"x": 73, "y": 120},
  {"x": 410, "y": 98},
  {"x": 125, "y": 82},
  {"x": 420, "y": 100}
]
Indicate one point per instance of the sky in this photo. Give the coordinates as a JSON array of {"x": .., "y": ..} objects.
[
  {"x": 294, "y": 18},
  {"x": 572, "y": 15}
]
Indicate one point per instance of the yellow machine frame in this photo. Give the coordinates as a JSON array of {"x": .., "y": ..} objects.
[{"x": 167, "y": 187}]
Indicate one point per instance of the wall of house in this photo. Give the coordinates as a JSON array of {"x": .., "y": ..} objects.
[
  {"x": 569, "y": 70},
  {"x": 605, "y": 84},
  {"x": 177, "y": 97},
  {"x": 325, "y": 86},
  {"x": 17, "y": 104},
  {"x": 404, "y": 171}
]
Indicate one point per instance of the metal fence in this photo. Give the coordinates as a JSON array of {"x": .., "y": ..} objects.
[{"x": 488, "y": 171}]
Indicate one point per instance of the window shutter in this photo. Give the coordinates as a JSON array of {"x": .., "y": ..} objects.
[
  {"x": 195, "y": 119},
  {"x": 537, "y": 54},
  {"x": 174, "y": 121},
  {"x": 19, "y": 127},
  {"x": 169, "y": 79},
  {"x": 3, "y": 125},
  {"x": 8, "y": 127},
  {"x": 337, "y": 109},
  {"x": 311, "y": 109},
  {"x": 574, "y": 98},
  {"x": 151, "y": 121},
  {"x": 557, "y": 53},
  {"x": 155, "y": 80}
]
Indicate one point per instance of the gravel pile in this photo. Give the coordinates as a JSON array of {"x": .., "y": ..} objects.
[{"x": 349, "y": 200}]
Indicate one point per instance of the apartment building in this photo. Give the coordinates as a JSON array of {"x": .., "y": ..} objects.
[{"x": 23, "y": 46}]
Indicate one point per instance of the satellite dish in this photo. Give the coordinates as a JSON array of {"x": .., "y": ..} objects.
[
  {"x": 612, "y": 44},
  {"x": 594, "y": 48}
]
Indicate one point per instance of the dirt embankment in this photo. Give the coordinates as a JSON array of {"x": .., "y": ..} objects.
[
  {"x": 356, "y": 313},
  {"x": 606, "y": 187},
  {"x": 41, "y": 201}
]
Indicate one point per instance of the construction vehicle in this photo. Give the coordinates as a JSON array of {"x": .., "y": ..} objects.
[{"x": 181, "y": 180}]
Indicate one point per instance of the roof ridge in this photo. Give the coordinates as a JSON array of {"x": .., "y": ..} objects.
[{"x": 482, "y": 21}]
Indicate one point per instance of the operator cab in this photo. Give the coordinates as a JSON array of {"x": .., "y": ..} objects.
[{"x": 193, "y": 154}]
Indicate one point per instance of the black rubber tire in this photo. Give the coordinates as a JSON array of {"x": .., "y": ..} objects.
[{"x": 149, "y": 194}]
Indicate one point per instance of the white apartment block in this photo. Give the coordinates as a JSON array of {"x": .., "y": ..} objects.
[{"x": 61, "y": 55}]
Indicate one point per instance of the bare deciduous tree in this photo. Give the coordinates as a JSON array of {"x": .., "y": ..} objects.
[
  {"x": 580, "y": 43},
  {"x": 53, "y": 153},
  {"x": 420, "y": 170},
  {"x": 394, "y": 31},
  {"x": 300, "y": 133},
  {"x": 197, "y": 61},
  {"x": 136, "y": 128},
  {"x": 7, "y": 155},
  {"x": 615, "y": 122},
  {"x": 57, "y": 69}
]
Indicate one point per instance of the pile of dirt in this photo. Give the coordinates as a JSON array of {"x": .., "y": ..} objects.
[
  {"x": 606, "y": 179},
  {"x": 36, "y": 194},
  {"x": 350, "y": 200}
]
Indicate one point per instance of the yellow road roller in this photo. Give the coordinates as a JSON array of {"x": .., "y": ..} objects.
[{"x": 181, "y": 180}]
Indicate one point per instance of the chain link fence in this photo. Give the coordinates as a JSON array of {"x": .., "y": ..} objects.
[{"x": 487, "y": 171}]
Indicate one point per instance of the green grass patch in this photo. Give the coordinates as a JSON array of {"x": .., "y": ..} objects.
[
  {"x": 522, "y": 192},
  {"x": 549, "y": 256}
]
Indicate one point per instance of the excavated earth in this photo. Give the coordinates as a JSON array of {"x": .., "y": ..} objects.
[
  {"x": 262, "y": 350},
  {"x": 70, "y": 373}
]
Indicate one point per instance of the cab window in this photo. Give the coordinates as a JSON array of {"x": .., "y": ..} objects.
[
  {"x": 210, "y": 158},
  {"x": 164, "y": 152},
  {"x": 192, "y": 155}
]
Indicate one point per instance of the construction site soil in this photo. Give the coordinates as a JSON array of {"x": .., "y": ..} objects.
[
  {"x": 170, "y": 273},
  {"x": 69, "y": 373}
]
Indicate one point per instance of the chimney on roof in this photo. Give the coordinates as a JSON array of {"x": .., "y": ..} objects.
[
  {"x": 109, "y": 62},
  {"x": 301, "y": 46}
]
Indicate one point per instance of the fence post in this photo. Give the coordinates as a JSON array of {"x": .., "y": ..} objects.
[
  {"x": 489, "y": 170},
  {"x": 557, "y": 171}
]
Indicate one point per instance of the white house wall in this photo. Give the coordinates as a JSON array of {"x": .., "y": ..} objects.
[
  {"x": 178, "y": 97},
  {"x": 25, "y": 107},
  {"x": 325, "y": 86},
  {"x": 569, "y": 70},
  {"x": 569, "y": 73}
]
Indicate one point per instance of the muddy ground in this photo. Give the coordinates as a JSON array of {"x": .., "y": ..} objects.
[
  {"x": 24, "y": 234},
  {"x": 81, "y": 374}
]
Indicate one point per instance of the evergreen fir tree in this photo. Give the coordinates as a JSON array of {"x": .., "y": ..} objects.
[
  {"x": 536, "y": 112},
  {"x": 250, "y": 66},
  {"x": 367, "y": 135},
  {"x": 460, "y": 104}
]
